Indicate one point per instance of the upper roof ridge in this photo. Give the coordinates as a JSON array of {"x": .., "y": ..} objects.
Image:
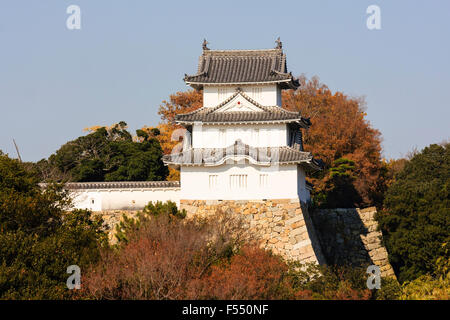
[
  {"x": 237, "y": 51},
  {"x": 242, "y": 67}
]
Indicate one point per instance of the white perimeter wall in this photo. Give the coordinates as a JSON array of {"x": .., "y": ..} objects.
[
  {"x": 284, "y": 182},
  {"x": 122, "y": 199},
  {"x": 197, "y": 183}
]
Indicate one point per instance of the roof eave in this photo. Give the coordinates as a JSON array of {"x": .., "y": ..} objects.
[
  {"x": 290, "y": 83},
  {"x": 302, "y": 122},
  {"x": 191, "y": 122}
]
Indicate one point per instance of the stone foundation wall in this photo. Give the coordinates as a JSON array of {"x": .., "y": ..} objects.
[
  {"x": 350, "y": 236},
  {"x": 111, "y": 218},
  {"x": 283, "y": 226},
  {"x": 333, "y": 236}
]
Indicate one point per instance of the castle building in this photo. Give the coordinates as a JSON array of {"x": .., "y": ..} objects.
[
  {"x": 242, "y": 145},
  {"x": 242, "y": 153}
]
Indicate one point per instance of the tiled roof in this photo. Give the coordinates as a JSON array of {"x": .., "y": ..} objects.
[
  {"x": 267, "y": 114},
  {"x": 119, "y": 185},
  {"x": 242, "y": 67},
  {"x": 261, "y": 156}
]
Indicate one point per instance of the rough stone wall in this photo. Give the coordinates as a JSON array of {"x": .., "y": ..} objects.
[
  {"x": 283, "y": 225},
  {"x": 350, "y": 236},
  {"x": 111, "y": 218},
  {"x": 333, "y": 236}
]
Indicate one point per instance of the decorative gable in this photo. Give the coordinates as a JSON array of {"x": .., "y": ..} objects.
[
  {"x": 231, "y": 111},
  {"x": 239, "y": 103}
]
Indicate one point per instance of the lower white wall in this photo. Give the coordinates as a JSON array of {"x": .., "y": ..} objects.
[
  {"x": 122, "y": 199},
  {"x": 302, "y": 191},
  {"x": 274, "y": 182},
  {"x": 283, "y": 182}
]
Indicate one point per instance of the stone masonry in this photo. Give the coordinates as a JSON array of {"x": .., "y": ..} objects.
[
  {"x": 111, "y": 218},
  {"x": 281, "y": 225},
  {"x": 350, "y": 236},
  {"x": 333, "y": 236}
]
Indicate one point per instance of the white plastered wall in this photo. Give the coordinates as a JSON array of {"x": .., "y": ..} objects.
[
  {"x": 255, "y": 135},
  {"x": 279, "y": 182},
  {"x": 122, "y": 199},
  {"x": 267, "y": 95}
]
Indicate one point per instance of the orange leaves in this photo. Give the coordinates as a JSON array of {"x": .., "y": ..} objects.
[
  {"x": 252, "y": 274},
  {"x": 339, "y": 130},
  {"x": 180, "y": 102}
]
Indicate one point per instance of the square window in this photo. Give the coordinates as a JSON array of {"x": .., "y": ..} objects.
[
  {"x": 213, "y": 179},
  {"x": 238, "y": 181},
  {"x": 263, "y": 180}
]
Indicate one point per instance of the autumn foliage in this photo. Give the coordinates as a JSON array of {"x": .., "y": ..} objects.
[
  {"x": 168, "y": 257},
  {"x": 180, "y": 102},
  {"x": 340, "y": 130},
  {"x": 251, "y": 274}
]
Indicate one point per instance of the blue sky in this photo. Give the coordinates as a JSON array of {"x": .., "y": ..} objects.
[{"x": 130, "y": 55}]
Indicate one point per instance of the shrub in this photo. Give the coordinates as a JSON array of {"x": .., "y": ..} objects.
[
  {"x": 311, "y": 281},
  {"x": 129, "y": 225},
  {"x": 253, "y": 273},
  {"x": 161, "y": 257},
  {"x": 426, "y": 287},
  {"x": 390, "y": 289}
]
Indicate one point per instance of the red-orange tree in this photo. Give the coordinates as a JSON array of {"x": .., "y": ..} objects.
[
  {"x": 180, "y": 102},
  {"x": 339, "y": 130}
]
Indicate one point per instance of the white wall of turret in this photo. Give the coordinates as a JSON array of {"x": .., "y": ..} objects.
[
  {"x": 255, "y": 135},
  {"x": 243, "y": 181},
  {"x": 267, "y": 95}
]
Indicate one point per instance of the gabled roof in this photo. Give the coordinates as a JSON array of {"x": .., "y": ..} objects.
[
  {"x": 239, "y": 151},
  {"x": 242, "y": 67},
  {"x": 212, "y": 115}
]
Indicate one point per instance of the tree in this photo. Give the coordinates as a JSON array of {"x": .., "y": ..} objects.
[
  {"x": 339, "y": 190},
  {"x": 107, "y": 154},
  {"x": 180, "y": 102},
  {"x": 38, "y": 239},
  {"x": 416, "y": 218},
  {"x": 339, "y": 130}
]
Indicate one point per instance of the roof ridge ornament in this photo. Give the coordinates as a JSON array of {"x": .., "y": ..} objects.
[
  {"x": 279, "y": 44},
  {"x": 205, "y": 44}
]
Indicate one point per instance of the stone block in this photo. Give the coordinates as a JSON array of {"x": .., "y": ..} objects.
[{"x": 302, "y": 244}]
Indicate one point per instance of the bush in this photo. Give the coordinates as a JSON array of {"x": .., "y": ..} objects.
[
  {"x": 253, "y": 273},
  {"x": 426, "y": 287},
  {"x": 315, "y": 282},
  {"x": 161, "y": 257},
  {"x": 390, "y": 289},
  {"x": 130, "y": 225}
]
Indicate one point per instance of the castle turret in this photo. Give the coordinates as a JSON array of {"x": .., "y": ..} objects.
[{"x": 242, "y": 144}]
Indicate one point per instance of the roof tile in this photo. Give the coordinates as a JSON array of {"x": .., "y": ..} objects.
[{"x": 242, "y": 66}]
